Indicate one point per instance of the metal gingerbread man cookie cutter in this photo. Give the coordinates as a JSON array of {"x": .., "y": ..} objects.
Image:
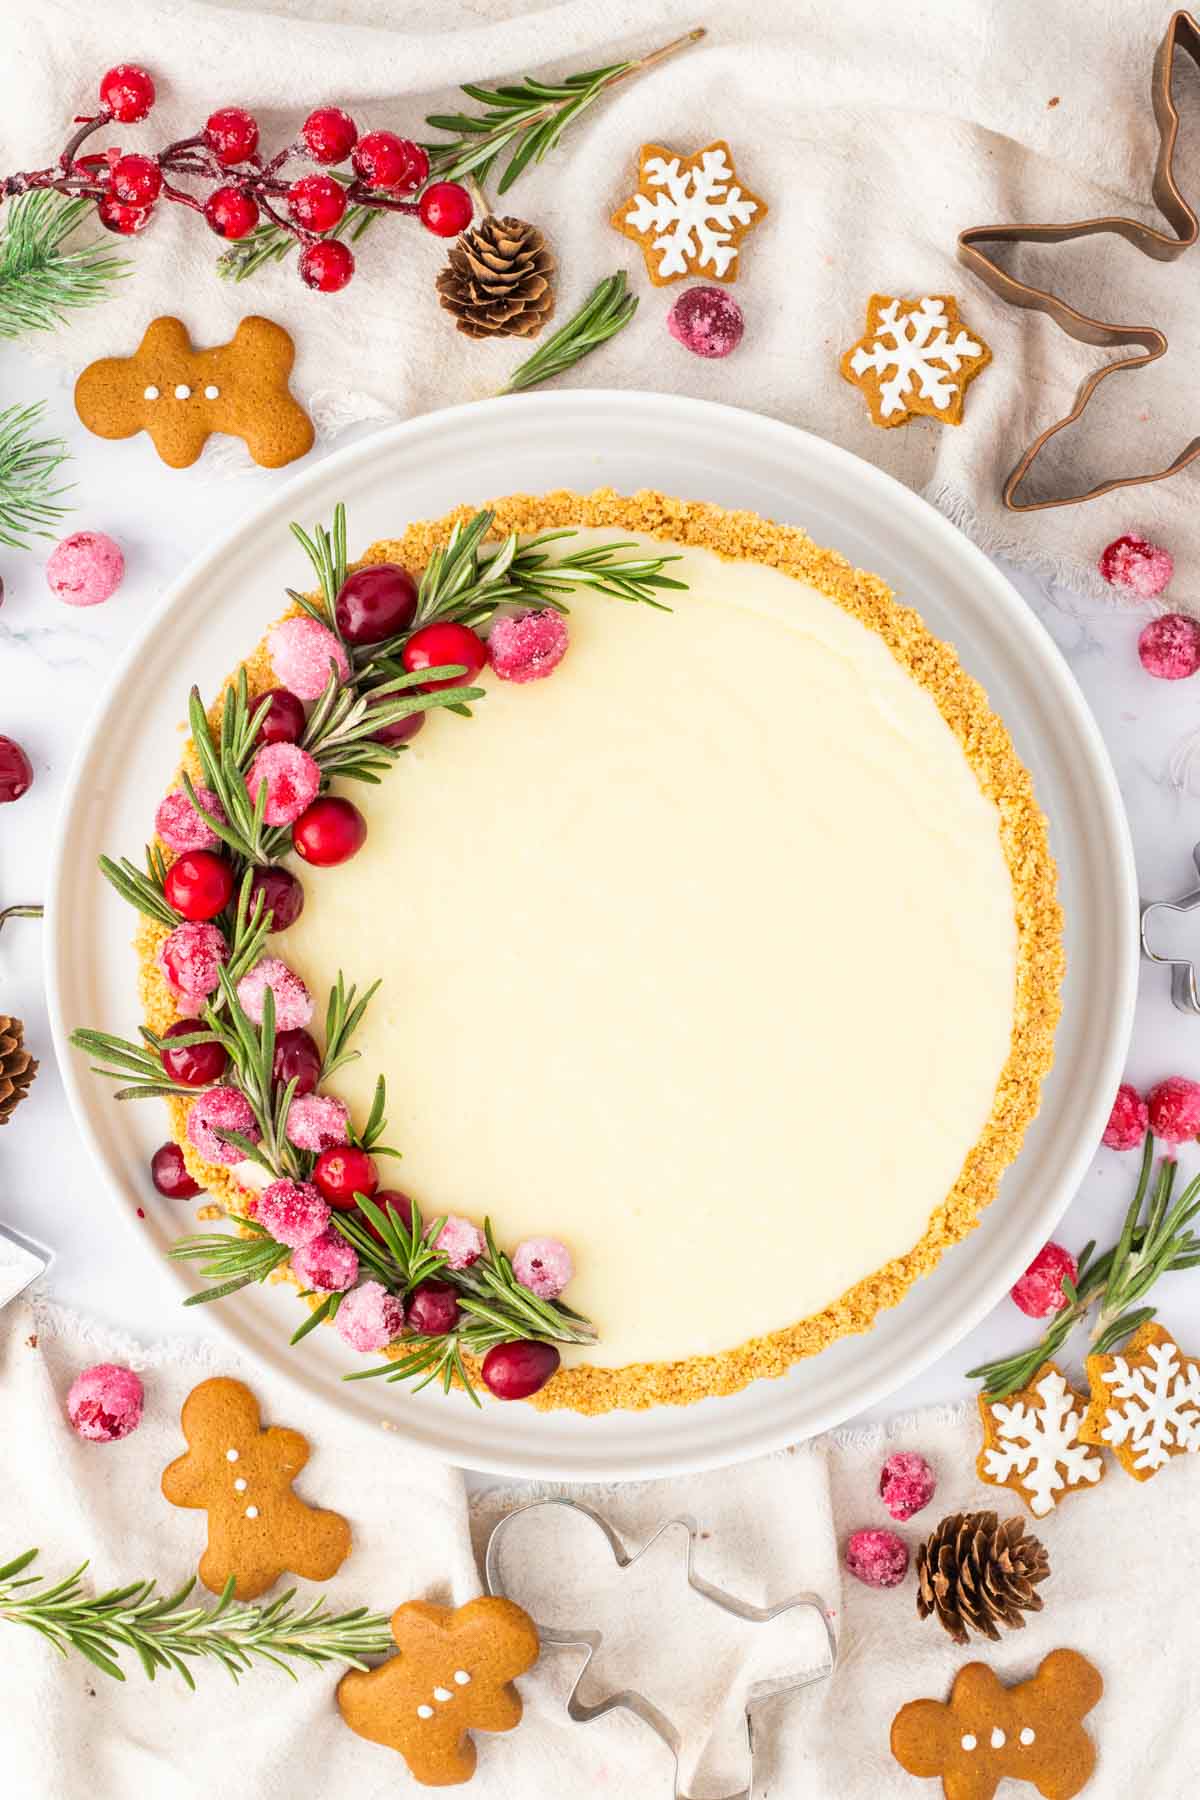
[
  {"x": 1185, "y": 990},
  {"x": 629, "y": 1699}
]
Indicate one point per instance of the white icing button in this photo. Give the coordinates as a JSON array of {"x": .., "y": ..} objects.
[
  {"x": 239, "y": 1486},
  {"x": 183, "y": 392},
  {"x": 231, "y": 1456},
  {"x": 150, "y": 393},
  {"x": 252, "y": 1513},
  {"x": 998, "y": 1738},
  {"x": 442, "y": 1694},
  {"x": 461, "y": 1676},
  {"x": 211, "y": 393},
  {"x": 424, "y": 1712},
  {"x": 1028, "y": 1734},
  {"x": 970, "y": 1741}
]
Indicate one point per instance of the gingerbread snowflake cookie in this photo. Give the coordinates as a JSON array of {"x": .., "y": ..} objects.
[
  {"x": 689, "y": 213},
  {"x": 453, "y": 1675},
  {"x": 1032, "y": 1442},
  {"x": 915, "y": 359},
  {"x": 1145, "y": 1402}
]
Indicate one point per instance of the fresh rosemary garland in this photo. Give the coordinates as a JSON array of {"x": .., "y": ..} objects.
[
  {"x": 164, "y": 1632},
  {"x": 608, "y": 309},
  {"x": 1149, "y": 1246}
]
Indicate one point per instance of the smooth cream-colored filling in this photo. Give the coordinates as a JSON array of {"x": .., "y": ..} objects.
[{"x": 699, "y": 955}]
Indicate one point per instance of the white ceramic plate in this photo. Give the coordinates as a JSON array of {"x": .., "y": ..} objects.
[{"x": 219, "y": 609}]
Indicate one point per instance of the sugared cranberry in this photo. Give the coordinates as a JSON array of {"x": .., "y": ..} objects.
[
  {"x": 437, "y": 646},
  {"x": 1039, "y": 1292},
  {"x": 326, "y": 266},
  {"x": 400, "y": 731},
  {"x": 330, "y": 831},
  {"x": 1129, "y": 1120},
  {"x": 433, "y": 1310},
  {"x": 136, "y": 180},
  {"x": 329, "y": 134},
  {"x": 231, "y": 133},
  {"x": 127, "y": 92},
  {"x": 383, "y": 160},
  {"x": 514, "y": 1371},
  {"x": 231, "y": 213},
  {"x": 168, "y": 1171},
  {"x": 878, "y": 1558},
  {"x": 284, "y": 721},
  {"x": 344, "y": 1171},
  {"x": 375, "y": 603},
  {"x": 1174, "y": 1109},
  {"x": 16, "y": 773},
  {"x": 195, "y": 1065},
  {"x": 296, "y": 1059},
  {"x": 445, "y": 208},
  {"x": 124, "y": 220},
  {"x": 283, "y": 896},
  {"x": 389, "y": 1201},
  {"x": 199, "y": 884},
  {"x": 317, "y": 202}
]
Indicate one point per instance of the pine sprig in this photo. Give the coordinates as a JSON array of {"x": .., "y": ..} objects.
[
  {"x": 1149, "y": 1246},
  {"x": 163, "y": 1632},
  {"x": 608, "y": 309},
  {"x": 31, "y": 503},
  {"x": 40, "y": 281}
]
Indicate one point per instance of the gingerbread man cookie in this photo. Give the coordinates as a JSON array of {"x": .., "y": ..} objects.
[
  {"x": 242, "y": 1476},
  {"x": 181, "y": 395},
  {"x": 985, "y": 1732},
  {"x": 453, "y": 1675}
]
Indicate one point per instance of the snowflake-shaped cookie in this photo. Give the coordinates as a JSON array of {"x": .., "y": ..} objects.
[
  {"x": 915, "y": 357},
  {"x": 689, "y": 213},
  {"x": 1031, "y": 1442},
  {"x": 1145, "y": 1402}
]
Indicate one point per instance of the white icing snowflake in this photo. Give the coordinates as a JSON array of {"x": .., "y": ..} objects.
[
  {"x": 1039, "y": 1444},
  {"x": 1162, "y": 1406},
  {"x": 914, "y": 341},
  {"x": 696, "y": 213}
]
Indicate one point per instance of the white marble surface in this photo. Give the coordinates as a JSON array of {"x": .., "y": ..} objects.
[{"x": 54, "y": 664}]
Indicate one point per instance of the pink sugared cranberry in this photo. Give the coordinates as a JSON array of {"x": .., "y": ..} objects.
[
  {"x": 293, "y": 1002},
  {"x": 189, "y": 959},
  {"x": 543, "y": 1265},
  {"x": 221, "y": 1109},
  {"x": 180, "y": 826},
  {"x": 460, "y": 1242},
  {"x": 906, "y": 1484},
  {"x": 1039, "y": 1292},
  {"x": 293, "y": 779},
  {"x": 433, "y": 1309},
  {"x": 369, "y": 1317},
  {"x": 514, "y": 1371},
  {"x": 1174, "y": 1109},
  {"x": 330, "y": 831},
  {"x": 85, "y": 568},
  {"x": 1133, "y": 562},
  {"x": 199, "y": 885},
  {"x": 318, "y": 1122},
  {"x": 877, "y": 1558},
  {"x": 195, "y": 1065},
  {"x": 707, "y": 321},
  {"x": 16, "y": 771},
  {"x": 1129, "y": 1120},
  {"x": 528, "y": 648},
  {"x": 1169, "y": 647},
  {"x": 283, "y": 896},
  {"x": 328, "y": 1264},
  {"x": 375, "y": 603},
  {"x": 168, "y": 1171},
  {"x": 301, "y": 651},
  {"x": 293, "y": 1212},
  {"x": 296, "y": 1059},
  {"x": 284, "y": 720},
  {"x": 344, "y": 1171},
  {"x": 105, "y": 1403}
]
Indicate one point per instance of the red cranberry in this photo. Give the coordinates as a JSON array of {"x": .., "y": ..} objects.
[
  {"x": 375, "y": 603},
  {"x": 391, "y": 1200},
  {"x": 326, "y": 266},
  {"x": 195, "y": 1065},
  {"x": 284, "y": 721},
  {"x": 342, "y": 1172},
  {"x": 124, "y": 220},
  {"x": 514, "y": 1371},
  {"x": 199, "y": 884},
  {"x": 329, "y": 134},
  {"x": 283, "y": 896},
  {"x": 317, "y": 202},
  {"x": 16, "y": 775},
  {"x": 432, "y": 1309},
  {"x": 330, "y": 831},
  {"x": 230, "y": 213},
  {"x": 435, "y": 646},
  {"x": 296, "y": 1058},
  {"x": 445, "y": 208},
  {"x": 231, "y": 133},
  {"x": 383, "y": 160},
  {"x": 127, "y": 92},
  {"x": 169, "y": 1173},
  {"x": 136, "y": 180},
  {"x": 400, "y": 731}
]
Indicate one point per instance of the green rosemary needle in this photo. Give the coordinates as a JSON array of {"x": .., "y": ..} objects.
[{"x": 607, "y": 310}]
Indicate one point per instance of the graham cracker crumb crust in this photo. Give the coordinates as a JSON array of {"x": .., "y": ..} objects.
[{"x": 963, "y": 704}]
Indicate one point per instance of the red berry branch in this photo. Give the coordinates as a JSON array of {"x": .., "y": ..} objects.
[{"x": 390, "y": 174}]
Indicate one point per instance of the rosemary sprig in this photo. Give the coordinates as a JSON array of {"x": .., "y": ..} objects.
[
  {"x": 223, "y": 765},
  {"x": 31, "y": 503},
  {"x": 607, "y": 310},
  {"x": 526, "y": 118},
  {"x": 230, "y": 1262},
  {"x": 341, "y": 728},
  {"x": 138, "y": 1065},
  {"x": 40, "y": 282},
  {"x": 1149, "y": 1246},
  {"x": 142, "y": 889},
  {"x": 343, "y": 1016},
  {"x": 165, "y": 1633}
]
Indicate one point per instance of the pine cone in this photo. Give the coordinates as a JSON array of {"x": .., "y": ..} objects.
[
  {"x": 973, "y": 1572},
  {"x": 497, "y": 281},
  {"x": 17, "y": 1067}
]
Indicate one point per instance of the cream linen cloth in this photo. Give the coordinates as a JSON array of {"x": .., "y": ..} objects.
[
  {"x": 1126, "y": 1566},
  {"x": 876, "y": 132}
]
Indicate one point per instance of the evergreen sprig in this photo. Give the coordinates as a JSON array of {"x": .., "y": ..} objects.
[
  {"x": 31, "y": 503},
  {"x": 40, "y": 281},
  {"x": 608, "y": 309},
  {"x": 229, "y": 1262},
  {"x": 164, "y": 1632}
]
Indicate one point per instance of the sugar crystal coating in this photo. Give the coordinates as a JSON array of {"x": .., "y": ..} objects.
[
  {"x": 301, "y": 649},
  {"x": 1169, "y": 647},
  {"x": 318, "y": 1122},
  {"x": 369, "y": 1317},
  {"x": 1174, "y": 1109},
  {"x": 1129, "y": 1120},
  {"x": 293, "y": 1002},
  {"x": 877, "y": 1558},
  {"x": 707, "y": 321},
  {"x": 528, "y": 648},
  {"x": 1132, "y": 561},
  {"x": 189, "y": 958},
  {"x": 543, "y": 1265},
  {"x": 105, "y": 1403},
  {"x": 85, "y": 568},
  {"x": 461, "y": 1242},
  {"x": 293, "y": 780},
  {"x": 328, "y": 1264},
  {"x": 1039, "y": 1292},
  {"x": 221, "y": 1109},
  {"x": 906, "y": 1484},
  {"x": 180, "y": 826},
  {"x": 293, "y": 1212}
]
